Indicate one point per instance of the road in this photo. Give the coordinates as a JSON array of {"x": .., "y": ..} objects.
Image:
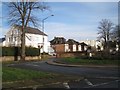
[{"x": 94, "y": 77}]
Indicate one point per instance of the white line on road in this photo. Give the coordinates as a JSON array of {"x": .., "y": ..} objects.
[
  {"x": 104, "y": 83},
  {"x": 66, "y": 85},
  {"x": 88, "y": 82}
]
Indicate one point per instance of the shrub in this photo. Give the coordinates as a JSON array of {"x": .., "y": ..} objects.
[
  {"x": 32, "y": 51},
  {"x": 15, "y": 51}
]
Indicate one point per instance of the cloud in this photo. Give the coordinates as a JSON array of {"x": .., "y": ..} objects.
[{"x": 70, "y": 31}]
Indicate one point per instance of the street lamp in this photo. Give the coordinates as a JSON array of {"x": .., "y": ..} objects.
[
  {"x": 39, "y": 47},
  {"x": 43, "y": 28}
]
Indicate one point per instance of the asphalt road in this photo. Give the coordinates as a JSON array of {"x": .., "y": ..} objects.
[
  {"x": 105, "y": 77},
  {"x": 83, "y": 71}
]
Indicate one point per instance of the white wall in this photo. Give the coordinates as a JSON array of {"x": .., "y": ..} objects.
[
  {"x": 79, "y": 48},
  {"x": 67, "y": 48},
  {"x": 34, "y": 40},
  {"x": 74, "y": 47}
]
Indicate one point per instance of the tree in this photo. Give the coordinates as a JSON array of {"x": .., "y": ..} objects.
[
  {"x": 21, "y": 13},
  {"x": 105, "y": 31},
  {"x": 116, "y": 35}
]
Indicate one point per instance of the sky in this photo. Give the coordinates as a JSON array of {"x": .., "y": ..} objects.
[{"x": 71, "y": 20}]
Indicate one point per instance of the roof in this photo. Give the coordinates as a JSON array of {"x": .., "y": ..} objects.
[
  {"x": 31, "y": 30},
  {"x": 71, "y": 41},
  {"x": 62, "y": 40},
  {"x": 2, "y": 39},
  {"x": 58, "y": 40},
  {"x": 84, "y": 44}
]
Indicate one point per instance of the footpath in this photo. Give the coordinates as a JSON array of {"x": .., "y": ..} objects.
[{"x": 72, "y": 65}]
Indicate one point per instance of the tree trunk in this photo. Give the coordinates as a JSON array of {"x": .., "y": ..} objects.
[{"x": 23, "y": 45}]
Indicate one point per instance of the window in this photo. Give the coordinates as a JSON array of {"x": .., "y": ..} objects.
[{"x": 15, "y": 39}]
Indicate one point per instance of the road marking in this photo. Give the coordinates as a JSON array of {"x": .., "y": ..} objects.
[
  {"x": 33, "y": 65},
  {"x": 106, "y": 83},
  {"x": 66, "y": 85},
  {"x": 88, "y": 82},
  {"x": 103, "y": 83}
]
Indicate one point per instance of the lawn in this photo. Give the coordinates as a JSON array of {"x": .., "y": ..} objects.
[
  {"x": 15, "y": 77},
  {"x": 88, "y": 61},
  {"x": 15, "y": 74}
]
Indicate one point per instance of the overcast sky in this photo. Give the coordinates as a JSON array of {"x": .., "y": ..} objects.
[{"x": 76, "y": 20}]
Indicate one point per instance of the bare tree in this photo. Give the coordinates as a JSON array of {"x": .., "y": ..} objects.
[
  {"x": 105, "y": 31},
  {"x": 116, "y": 35},
  {"x": 22, "y": 13}
]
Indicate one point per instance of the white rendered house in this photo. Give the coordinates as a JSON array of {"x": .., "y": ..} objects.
[{"x": 33, "y": 38}]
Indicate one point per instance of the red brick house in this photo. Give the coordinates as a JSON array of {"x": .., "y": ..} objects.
[
  {"x": 59, "y": 44},
  {"x": 76, "y": 46}
]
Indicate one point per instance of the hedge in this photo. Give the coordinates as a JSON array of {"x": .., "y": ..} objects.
[{"x": 15, "y": 51}]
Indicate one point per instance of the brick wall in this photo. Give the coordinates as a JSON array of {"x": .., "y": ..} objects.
[
  {"x": 70, "y": 54},
  {"x": 12, "y": 58},
  {"x": 60, "y": 47}
]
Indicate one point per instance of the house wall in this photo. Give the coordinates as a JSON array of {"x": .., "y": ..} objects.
[
  {"x": 59, "y": 48},
  {"x": 71, "y": 47},
  {"x": 79, "y": 48},
  {"x": 67, "y": 48},
  {"x": 93, "y": 43},
  {"x": 13, "y": 38},
  {"x": 74, "y": 48},
  {"x": 34, "y": 40},
  {"x": 2, "y": 44}
]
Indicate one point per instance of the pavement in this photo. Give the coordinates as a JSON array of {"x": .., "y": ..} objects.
[{"x": 72, "y": 65}]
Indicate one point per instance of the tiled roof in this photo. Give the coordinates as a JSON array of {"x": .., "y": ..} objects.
[
  {"x": 31, "y": 30},
  {"x": 58, "y": 40},
  {"x": 71, "y": 41},
  {"x": 2, "y": 39},
  {"x": 62, "y": 40},
  {"x": 84, "y": 44}
]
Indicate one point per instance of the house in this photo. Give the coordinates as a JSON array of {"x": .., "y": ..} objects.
[
  {"x": 33, "y": 37},
  {"x": 59, "y": 44},
  {"x": 2, "y": 41},
  {"x": 93, "y": 43},
  {"x": 76, "y": 46}
]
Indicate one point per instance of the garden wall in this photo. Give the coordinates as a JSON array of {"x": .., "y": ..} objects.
[
  {"x": 12, "y": 58},
  {"x": 94, "y": 55},
  {"x": 71, "y": 54}
]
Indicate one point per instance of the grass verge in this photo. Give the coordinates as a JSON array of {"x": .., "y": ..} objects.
[
  {"x": 15, "y": 74},
  {"x": 88, "y": 61},
  {"x": 14, "y": 78}
]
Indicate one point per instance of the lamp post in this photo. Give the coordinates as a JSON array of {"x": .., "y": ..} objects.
[
  {"x": 43, "y": 28},
  {"x": 39, "y": 47}
]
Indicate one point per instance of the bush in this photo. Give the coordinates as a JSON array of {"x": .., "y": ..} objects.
[
  {"x": 32, "y": 51},
  {"x": 15, "y": 51},
  {"x": 106, "y": 55}
]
